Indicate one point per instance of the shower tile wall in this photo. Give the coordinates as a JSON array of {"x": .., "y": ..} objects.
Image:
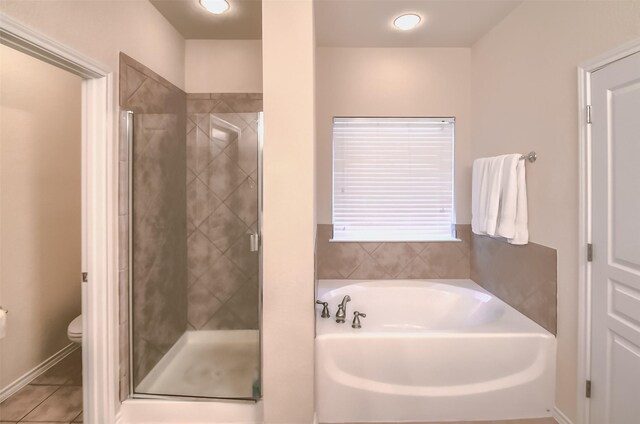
[
  {"x": 222, "y": 193},
  {"x": 379, "y": 261},
  {"x": 159, "y": 227}
]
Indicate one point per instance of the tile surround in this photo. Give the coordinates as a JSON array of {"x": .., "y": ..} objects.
[
  {"x": 159, "y": 230},
  {"x": 379, "y": 261},
  {"x": 524, "y": 276}
]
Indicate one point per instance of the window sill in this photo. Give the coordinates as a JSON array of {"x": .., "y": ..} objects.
[{"x": 451, "y": 240}]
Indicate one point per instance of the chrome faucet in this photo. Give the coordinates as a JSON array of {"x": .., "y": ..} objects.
[
  {"x": 356, "y": 319},
  {"x": 342, "y": 310},
  {"x": 325, "y": 309}
]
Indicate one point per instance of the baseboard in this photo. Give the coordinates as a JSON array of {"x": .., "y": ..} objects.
[
  {"x": 37, "y": 371},
  {"x": 560, "y": 416}
]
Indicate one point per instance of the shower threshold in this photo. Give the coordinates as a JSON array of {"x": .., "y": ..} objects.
[{"x": 207, "y": 364}]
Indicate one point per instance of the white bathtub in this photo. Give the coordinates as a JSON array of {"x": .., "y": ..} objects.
[{"x": 429, "y": 350}]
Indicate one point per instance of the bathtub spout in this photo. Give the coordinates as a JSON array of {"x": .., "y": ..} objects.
[{"x": 342, "y": 310}]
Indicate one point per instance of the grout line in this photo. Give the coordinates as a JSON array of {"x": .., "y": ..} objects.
[
  {"x": 41, "y": 402},
  {"x": 79, "y": 415}
]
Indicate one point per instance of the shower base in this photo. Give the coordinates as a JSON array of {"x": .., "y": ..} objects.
[{"x": 207, "y": 364}]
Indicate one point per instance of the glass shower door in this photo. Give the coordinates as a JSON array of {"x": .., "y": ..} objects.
[{"x": 195, "y": 308}]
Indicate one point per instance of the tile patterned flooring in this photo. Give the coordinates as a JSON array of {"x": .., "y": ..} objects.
[{"x": 54, "y": 397}]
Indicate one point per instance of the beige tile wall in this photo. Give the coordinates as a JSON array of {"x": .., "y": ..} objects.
[
  {"x": 159, "y": 228},
  {"x": 222, "y": 194},
  {"x": 379, "y": 261},
  {"x": 525, "y": 276}
]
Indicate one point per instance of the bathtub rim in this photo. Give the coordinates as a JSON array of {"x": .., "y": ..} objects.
[{"x": 505, "y": 325}]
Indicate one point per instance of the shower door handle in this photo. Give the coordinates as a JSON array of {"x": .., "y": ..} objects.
[{"x": 254, "y": 242}]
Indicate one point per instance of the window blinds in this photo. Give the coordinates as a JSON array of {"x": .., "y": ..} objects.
[{"x": 393, "y": 179}]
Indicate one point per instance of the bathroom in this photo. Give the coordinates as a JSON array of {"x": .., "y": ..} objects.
[
  {"x": 499, "y": 77},
  {"x": 40, "y": 289}
]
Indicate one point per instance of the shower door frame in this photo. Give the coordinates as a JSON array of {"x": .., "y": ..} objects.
[
  {"x": 99, "y": 214},
  {"x": 129, "y": 137}
]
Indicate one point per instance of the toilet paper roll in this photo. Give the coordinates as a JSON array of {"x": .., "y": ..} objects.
[{"x": 3, "y": 323}]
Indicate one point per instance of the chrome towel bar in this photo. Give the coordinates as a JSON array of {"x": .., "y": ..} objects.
[{"x": 531, "y": 157}]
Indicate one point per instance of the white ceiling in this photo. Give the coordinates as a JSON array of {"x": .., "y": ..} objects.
[
  {"x": 369, "y": 23},
  {"x": 243, "y": 20}
]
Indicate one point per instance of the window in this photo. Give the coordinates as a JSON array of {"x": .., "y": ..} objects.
[{"x": 393, "y": 179}]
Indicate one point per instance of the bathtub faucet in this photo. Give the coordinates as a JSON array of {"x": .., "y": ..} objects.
[
  {"x": 325, "y": 309},
  {"x": 356, "y": 319},
  {"x": 342, "y": 310}
]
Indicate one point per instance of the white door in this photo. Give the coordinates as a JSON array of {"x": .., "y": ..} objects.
[{"x": 615, "y": 283}]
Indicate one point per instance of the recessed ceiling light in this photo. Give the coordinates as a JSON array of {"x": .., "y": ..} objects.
[
  {"x": 215, "y": 6},
  {"x": 407, "y": 21}
]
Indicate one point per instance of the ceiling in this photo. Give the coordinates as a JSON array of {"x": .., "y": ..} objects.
[
  {"x": 350, "y": 23},
  {"x": 369, "y": 23},
  {"x": 243, "y": 20}
]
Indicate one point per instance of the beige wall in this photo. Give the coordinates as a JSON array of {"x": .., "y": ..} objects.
[
  {"x": 289, "y": 211},
  {"x": 223, "y": 66},
  {"x": 39, "y": 209},
  {"x": 394, "y": 82},
  {"x": 524, "y": 97},
  {"x": 100, "y": 29}
]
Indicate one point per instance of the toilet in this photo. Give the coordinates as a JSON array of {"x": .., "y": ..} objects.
[{"x": 74, "y": 331}]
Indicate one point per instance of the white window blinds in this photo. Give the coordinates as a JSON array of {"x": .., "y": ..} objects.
[{"x": 393, "y": 179}]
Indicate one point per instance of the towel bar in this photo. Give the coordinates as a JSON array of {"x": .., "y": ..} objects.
[{"x": 531, "y": 157}]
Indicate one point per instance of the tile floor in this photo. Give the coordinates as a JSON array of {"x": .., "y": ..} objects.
[{"x": 54, "y": 397}]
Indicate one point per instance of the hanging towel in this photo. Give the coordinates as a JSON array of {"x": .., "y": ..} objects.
[
  {"x": 499, "y": 198},
  {"x": 508, "y": 198},
  {"x": 485, "y": 194},
  {"x": 478, "y": 196},
  {"x": 521, "y": 235},
  {"x": 492, "y": 193},
  {"x": 512, "y": 220},
  {"x": 3, "y": 323}
]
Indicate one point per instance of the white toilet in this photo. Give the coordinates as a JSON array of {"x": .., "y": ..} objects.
[{"x": 74, "y": 331}]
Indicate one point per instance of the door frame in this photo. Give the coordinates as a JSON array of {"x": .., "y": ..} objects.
[
  {"x": 585, "y": 71},
  {"x": 99, "y": 215}
]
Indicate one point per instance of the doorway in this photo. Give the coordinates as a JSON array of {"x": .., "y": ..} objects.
[
  {"x": 99, "y": 227},
  {"x": 40, "y": 239},
  {"x": 611, "y": 298}
]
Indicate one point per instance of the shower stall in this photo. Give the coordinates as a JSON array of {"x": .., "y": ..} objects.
[{"x": 193, "y": 166}]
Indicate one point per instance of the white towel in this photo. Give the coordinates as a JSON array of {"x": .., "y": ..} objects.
[
  {"x": 512, "y": 220},
  {"x": 492, "y": 193},
  {"x": 509, "y": 198},
  {"x": 521, "y": 235},
  {"x": 499, "y": 198},
  {"x": 3, "y": 323},
  {"x": 478, "y": 196}
]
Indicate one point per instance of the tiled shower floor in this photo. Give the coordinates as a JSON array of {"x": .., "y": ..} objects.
[
  {"x": 220, "y": 363},
  {"x": 54, "y": 397}
]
